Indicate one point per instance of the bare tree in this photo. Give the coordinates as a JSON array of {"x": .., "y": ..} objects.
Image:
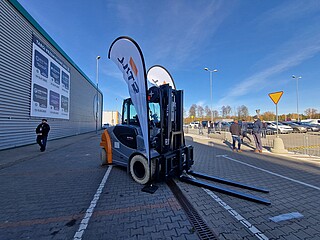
[
  {"x": 200, "y": 111},
  {"x": 215, "y": 114},
  {"x": 242, "y": 112},
  {"x": 207, "y": 111},
  {"x": 223, "y": 111},
  {"x": 226, "y": 110},
  {"x": 193, "y": 110},
  {"x": 310, "y": 112}
]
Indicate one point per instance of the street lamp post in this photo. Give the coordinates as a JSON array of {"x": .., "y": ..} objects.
[
  {"x": 297, "y": 78},
  {"x": 97, "y": 99},
  {"x": 211, "y": 71}
]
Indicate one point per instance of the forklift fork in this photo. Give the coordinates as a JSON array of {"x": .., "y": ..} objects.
[{"x": 230, "y": 192}]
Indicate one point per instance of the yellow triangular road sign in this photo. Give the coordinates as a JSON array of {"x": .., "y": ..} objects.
[{"x": 275, "y": 97}]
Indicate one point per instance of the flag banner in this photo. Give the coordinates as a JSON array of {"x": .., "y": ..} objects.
[
  {"x": 158, "y": 75},
  {"x": 127, "y": 55}
]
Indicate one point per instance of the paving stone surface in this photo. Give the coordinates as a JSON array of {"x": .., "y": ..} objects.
[
  {"x": 46, "y": 195},
  {"x": 293, "y": 184}
]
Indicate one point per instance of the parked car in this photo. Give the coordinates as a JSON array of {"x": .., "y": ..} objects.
[
  {"x": 312, "y": 127},
  {"x": 250, "y": 127},
  {"x": 296, "y": 127},
  {"x": 270, "y": 130},
  {"x": 195, "y": 124},
  {"x": 281, "y": 128},
  {"x": 204, "y": 123},
  {"x": 222, "y": 126},
  {"x": 106, "y": 125},
  {"x": 309, "y": 127},
  {"x": 311, "y": 121}
]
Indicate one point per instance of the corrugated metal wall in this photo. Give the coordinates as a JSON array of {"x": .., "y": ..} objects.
[{"x": 17, "y": 128}]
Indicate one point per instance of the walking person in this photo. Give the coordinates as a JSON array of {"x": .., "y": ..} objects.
[
  {"x": 256, "y": 131},
  {"x": 200, "y": 129},
  {"x": 244, "y": 130},
  {"x": 209, "y": 127},
  {"x": 264, "y": 129},
  {"x": 213, "y": 127},
  {"x": 219, "y": 127},
  {"x": 235, "y": 131},
  {"x": 42, "y": 134}
]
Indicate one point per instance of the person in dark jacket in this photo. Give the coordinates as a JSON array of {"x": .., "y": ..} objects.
[
  {"x": 256, "y": 132},
  {"x": 235, "y": 131},
  {"x": 244, "y": 130},
  {"x": 42, "y": 134},
  {"x": 264, "y": 129}
]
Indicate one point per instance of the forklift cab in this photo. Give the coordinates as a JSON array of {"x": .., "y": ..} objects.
[{"x": 130, "y": 116}]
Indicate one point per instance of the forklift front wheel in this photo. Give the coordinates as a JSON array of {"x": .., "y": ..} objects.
[
  {"x": 139, "y": 169},
  {"x": 103, "y": 156}
]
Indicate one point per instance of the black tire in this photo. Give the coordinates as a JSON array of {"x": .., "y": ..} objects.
[
  {"x": 139, "y": 169},
  {"x": 103, "y": 156}
]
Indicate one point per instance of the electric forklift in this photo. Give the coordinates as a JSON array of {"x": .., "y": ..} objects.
[{"x": 170, "y": 157}]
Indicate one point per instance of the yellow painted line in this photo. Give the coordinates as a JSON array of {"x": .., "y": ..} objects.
[{"x": 304, "y": 147}]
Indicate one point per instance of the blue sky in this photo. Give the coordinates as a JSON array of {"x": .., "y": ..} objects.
[{"x": 255, "y": 45}]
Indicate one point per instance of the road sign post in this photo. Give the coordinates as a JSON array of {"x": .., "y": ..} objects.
[
  {"x": 278, "y": 146},
  {"x": 275, "y": 97}
]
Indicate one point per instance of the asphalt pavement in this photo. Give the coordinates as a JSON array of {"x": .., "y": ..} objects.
[{"x": 64, "y": 193}]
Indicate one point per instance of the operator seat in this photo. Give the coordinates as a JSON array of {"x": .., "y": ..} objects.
[{"x": 127, "y": 135}]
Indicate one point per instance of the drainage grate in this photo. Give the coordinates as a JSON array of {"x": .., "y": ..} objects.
[{"x": 200, "y": 226}]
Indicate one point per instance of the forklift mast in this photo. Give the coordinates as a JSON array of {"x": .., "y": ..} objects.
[{"x": 171, "y": 105}]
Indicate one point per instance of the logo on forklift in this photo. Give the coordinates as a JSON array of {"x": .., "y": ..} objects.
[{"x": 129, "y": 71}]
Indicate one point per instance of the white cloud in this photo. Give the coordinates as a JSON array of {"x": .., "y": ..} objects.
[
  {"x": 293, "y": 52},
  {"x": 201, "y": 103},
  {"x": 290, "y": 10},
  {"x": 182, "y": 34}
]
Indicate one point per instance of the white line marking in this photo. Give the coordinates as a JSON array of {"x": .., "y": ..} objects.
[
  {"x": 286, "y": 216},
  {"x": 236, "y": 215},
  {"x": 89, "y": 212},
  {"x": 272, "y": 173}
]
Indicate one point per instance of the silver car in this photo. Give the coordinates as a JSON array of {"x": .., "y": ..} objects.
[
  {"x": 281, "y": 127},
  {"x": 296, "y": 127}
]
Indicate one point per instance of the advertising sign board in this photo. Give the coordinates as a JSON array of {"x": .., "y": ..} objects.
[{"x": 50, "y": 83}]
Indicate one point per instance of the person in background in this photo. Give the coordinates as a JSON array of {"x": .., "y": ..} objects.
[
  {"x": 235, "y": 132},
  {"x": 200, "y": 129},
  {"x": 256, "y": 131},
  {"x": 213, "y": 127},
  {"x": 244, "y": 130},
  {"x": 219, "y": 126},
  {"x": 264, "y": 129},
  {"x": 42, "y": 134}
]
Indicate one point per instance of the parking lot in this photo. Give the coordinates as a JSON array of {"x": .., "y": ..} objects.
[
  {"x": 64, "y": 193},
  {"x": 301, "y": 143}
]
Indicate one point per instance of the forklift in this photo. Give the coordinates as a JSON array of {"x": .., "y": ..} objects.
[{"x": 170, "y": 157}]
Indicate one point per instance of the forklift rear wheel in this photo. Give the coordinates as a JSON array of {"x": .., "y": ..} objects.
[
  {"x": 103, "y": 156},
  {"x": 139, "y": 169}
]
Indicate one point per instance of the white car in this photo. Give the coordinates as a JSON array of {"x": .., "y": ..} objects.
[
  {"x": 195, "y": 124},
  {"x": 281, "y": 127}
]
